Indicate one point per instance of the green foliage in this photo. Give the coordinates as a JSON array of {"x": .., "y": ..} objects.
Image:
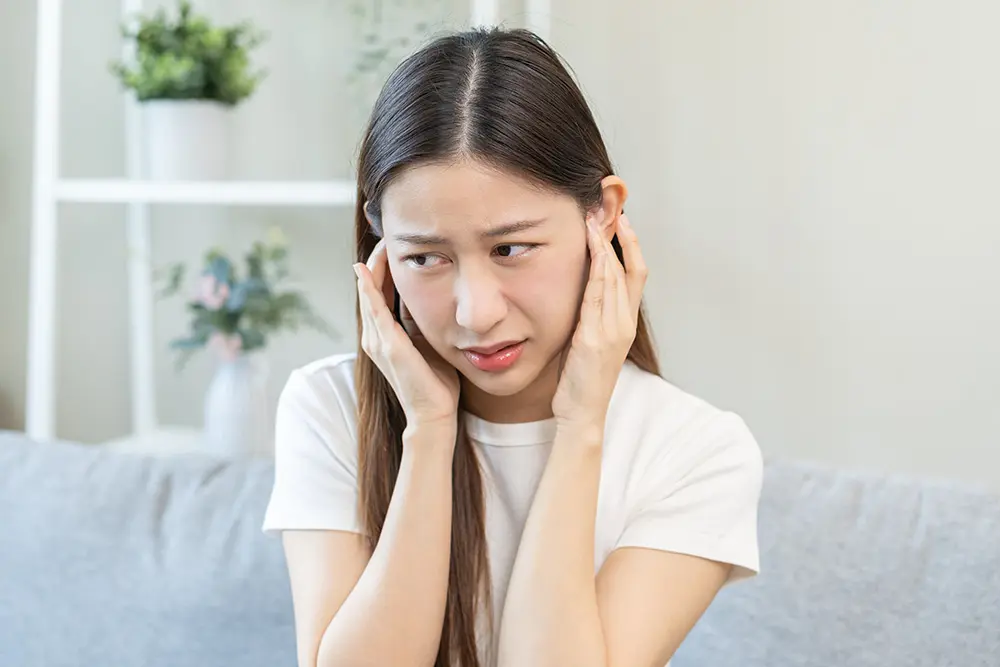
[
  {"x": 189, "y": 59},
  {"x": 250, "y": 305},
  {"x": 385, "y": 33}
]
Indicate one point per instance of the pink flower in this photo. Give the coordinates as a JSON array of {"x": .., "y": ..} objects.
[
  {"x": 211, "y": 293},
  {"x": 228, "y": 346}
]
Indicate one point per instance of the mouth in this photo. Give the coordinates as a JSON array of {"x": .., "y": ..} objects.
[{"x": 494, "y": 358}]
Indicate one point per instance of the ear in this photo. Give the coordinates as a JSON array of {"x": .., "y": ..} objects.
[{"x": 613, "y": 196}]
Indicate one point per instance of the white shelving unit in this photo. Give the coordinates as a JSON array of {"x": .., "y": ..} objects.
[
  {"x": 51, "y": 190},
  {"x": 248, "y": 193}
]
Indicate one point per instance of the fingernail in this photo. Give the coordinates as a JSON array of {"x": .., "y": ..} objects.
[
  {"x": 357, "y": 270},
  {"x": 625, "y": 222}
]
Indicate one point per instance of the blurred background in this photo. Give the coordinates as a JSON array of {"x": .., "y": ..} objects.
[{"x": 814, "y": 185}]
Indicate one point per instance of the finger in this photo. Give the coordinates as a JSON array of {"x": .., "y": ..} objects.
[
  {"x": 623, "y": 304},
  {"x": 614, "y": 264},
  {"x": 368, "y": 329},
  {"x": 615, "y": 289},
  {"x": 593, "y": 295},
  {"x": 614, "y": 279},
  {"x": 635, "y": 265},
  {"x": 372, "y": 299},
  {"x": 374, "y": 257},
  {"x": 378, "y": 265}
]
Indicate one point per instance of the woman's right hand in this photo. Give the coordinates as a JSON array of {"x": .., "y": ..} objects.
[{"x": 426, "y": 386}]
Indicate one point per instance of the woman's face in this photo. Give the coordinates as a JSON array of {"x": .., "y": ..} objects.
[{"x": 483, "y": 260}]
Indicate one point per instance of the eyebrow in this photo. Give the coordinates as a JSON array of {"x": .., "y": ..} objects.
[{"x": 495, "y": 232}]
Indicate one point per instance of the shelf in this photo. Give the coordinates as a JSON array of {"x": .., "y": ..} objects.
[{"x": 244, "y": 193}]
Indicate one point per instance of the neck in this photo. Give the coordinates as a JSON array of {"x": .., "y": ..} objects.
[{"x": 533, "y": 403}]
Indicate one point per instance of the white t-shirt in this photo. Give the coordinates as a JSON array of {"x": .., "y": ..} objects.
[{"x": 677, "y": 473}]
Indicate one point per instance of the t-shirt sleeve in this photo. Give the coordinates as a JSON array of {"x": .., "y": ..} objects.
[
  {"x": 315, "y": 459},
  {"x": 708, "y": 509}
]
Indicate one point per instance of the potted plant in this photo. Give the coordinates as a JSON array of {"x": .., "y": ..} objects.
[
  {"x": 234, "y": 313},
  {"x": 188, "y": 74}
]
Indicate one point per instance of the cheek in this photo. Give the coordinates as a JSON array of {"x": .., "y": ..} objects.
[
  {"x": 425, "y": 299},
  {"x": 552, "y": 292}
]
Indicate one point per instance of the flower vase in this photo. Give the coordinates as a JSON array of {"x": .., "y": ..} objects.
[
  {"x": 186, "y": 140},
  {"x": 236, "y": 409}
]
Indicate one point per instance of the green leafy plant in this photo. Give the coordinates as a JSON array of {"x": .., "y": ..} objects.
[
  {"x": 234, "y": 312},
  {"x": 189, "y": 59}
]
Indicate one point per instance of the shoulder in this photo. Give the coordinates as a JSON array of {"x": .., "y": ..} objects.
[
  {"x": 327, "y": 378},
  {"x": 315, "y": 452},
  {"x": 657, "y": 424},
  {"x": 320, "y": 397},
  {"x": 689, "y": 472}
]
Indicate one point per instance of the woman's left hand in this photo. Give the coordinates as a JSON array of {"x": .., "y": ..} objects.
[{"x": 608, "y": 318}]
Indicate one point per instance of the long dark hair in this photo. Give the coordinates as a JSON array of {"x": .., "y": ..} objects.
[{"x": 501, "y": 97}]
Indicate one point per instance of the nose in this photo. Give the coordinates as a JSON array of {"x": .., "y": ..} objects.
[{"x": 481, "y": 303}]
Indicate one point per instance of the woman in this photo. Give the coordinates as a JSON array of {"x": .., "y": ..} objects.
[{"x": 499, "y": 476}]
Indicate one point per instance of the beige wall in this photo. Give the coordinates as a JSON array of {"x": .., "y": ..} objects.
[
  {"x": 811, "y": 182},
  {"x": 816, "y": 182}
]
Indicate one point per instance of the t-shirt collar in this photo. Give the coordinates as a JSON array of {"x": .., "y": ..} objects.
[{"x": 510, "y": 435}]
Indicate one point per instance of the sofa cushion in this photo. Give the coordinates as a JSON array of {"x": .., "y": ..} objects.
[
  {"x": 862, "y": 570},
  {"x": 113, "y": 559}
]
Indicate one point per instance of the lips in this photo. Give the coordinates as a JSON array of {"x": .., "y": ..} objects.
[
  {"x": 494, "y": 358},
  {"x": 490, "y": 349}
]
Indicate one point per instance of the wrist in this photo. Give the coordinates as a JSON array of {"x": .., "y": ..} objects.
[
  {"x": 580, "y": 433},
  {"x": 436, "y": 434}
]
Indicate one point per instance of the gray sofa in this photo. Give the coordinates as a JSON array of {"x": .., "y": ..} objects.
[{"x": 114, "y": 560}]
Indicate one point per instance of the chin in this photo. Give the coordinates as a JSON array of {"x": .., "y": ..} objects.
[{"x": 505, "y": 383}]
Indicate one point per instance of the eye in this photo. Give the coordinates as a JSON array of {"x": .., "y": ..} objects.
[
  {"x": 514, "y": 250},
  {"x": 422, "y": 261}
]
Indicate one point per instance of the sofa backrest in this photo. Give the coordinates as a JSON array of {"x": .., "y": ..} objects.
[
  {"x": 861, "y": 570},
  {"x": 111, "y": 559}
]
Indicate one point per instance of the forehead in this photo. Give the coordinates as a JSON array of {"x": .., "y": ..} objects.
[{"x": 465, "y": 193}]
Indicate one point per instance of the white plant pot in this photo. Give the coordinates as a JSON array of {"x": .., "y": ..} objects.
[
  {"x": 237, "y": 422},
  {"x": 185, "y": 140}
]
